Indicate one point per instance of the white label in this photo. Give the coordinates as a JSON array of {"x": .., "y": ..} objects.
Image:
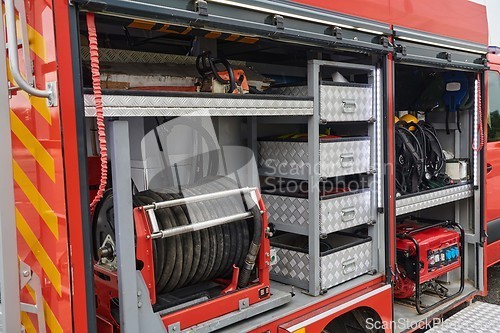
[{"x": 453, "y": 86}]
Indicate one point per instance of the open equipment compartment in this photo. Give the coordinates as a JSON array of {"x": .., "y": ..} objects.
[
  {"x": 176, "y": 128},
  {"x": 444, "y": 203}
]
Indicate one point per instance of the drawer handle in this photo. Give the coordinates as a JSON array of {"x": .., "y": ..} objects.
[
  {"x": 347, "y": 160},
  {"x": 349, "y": 266},
  {"x": 348, "y": 214},
  {"x": 349, "y": 106}
]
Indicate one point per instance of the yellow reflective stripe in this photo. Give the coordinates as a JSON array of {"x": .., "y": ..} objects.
[
  {"x": 232, "y": 38},
  {"x": 36, "y": 199},
  {"x": 27, "y": 323},
  {"x": 213, "y": 34},
  {"x": 139, "y": 24},
  {"x": 50, "y": 319},
  {"x": 248, "y": 40},
  {"x": 38, "y": 250},
  {"x": 40, "y": 104},
  {"x": 37, "y": 43},
  {"x": 34, "y": 146},
  {"x": 300, "y": 330}
]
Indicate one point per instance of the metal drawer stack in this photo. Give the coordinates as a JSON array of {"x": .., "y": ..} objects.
[{"x": 319, "y": 246}]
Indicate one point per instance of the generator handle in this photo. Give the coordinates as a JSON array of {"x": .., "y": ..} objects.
[{"x": 440, "y": 224}]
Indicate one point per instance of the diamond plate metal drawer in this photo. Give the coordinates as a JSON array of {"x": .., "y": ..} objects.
[
  {"x": 339, "y": 212},
  {"x": 350, "y": 256},
  {"x": 338, "y": 157},
  {"x": 346, "y": 102}
]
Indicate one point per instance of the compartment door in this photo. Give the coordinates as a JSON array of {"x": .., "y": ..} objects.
[
  {"x": 493, "y": 168},
  {"x": 414, "y": 47}
]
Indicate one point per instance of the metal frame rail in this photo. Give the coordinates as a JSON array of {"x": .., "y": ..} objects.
[{"x": 10, "y": 305}]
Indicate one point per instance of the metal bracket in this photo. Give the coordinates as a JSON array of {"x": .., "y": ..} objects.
[
  {"x": 174, "y": 328},
  {"x": 27, "y": 277},
  {"x": 400, "y": 49},
  {"x": 201, "y": 7},
  {"x": 279, "y": 22},
  {"x": 243, "y": 303},
  {"x": 12, "y": 89},
  {"x": 384, "y": 41},
  {"x": 53, "y": 98},
  {"x": 337, "y": 32},
  {"x": 445, "y": 55}
]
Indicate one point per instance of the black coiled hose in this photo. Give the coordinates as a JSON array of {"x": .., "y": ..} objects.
[{"x": 199, "y": 256}]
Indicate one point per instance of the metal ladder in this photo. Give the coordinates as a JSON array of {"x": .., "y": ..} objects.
[{"x": 14, "y": 274}]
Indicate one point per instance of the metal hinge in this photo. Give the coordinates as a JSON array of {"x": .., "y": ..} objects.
[
  {"x": 384, "y": 41},
  {"x": 337, "y": 32},
  {"x": 279, "y": 22},
  {"x": 201, "y": 7},
  {"x": 483, "y": 238},
  {"x": 445, "y": 55},
  {"x": 400, "y": 49}
]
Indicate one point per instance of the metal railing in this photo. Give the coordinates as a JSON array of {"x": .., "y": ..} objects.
[
  {"x": 10, "y": 305},
  {"x": 12, "y": 48}
]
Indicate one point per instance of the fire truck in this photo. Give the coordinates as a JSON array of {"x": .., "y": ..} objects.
[{"x": 247, "y": 166}]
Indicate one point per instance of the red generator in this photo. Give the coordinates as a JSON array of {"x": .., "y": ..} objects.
[{"x": 426, "y": 250}]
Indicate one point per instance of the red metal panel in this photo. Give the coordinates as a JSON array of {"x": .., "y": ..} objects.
[
  {"x": 72, "y": 198},
  {"x": 274, "y": 326},
  {"x": 39, "y": 178},
  {"x": 492, "y": 253},
  {"x": 460, "y": 19}
]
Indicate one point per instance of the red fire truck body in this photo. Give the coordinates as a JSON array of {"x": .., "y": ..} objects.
[{"x": 45, "y": 213}]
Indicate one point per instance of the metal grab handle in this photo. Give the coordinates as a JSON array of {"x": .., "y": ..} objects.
[
  {"x": 348, "y": 214},
  {"x": 349, "y": 266},
  {"x": 349, "y": 106},
  {"x": 347, "y": 160},
  {"x": 198, "y": 198},
  {"x": 12, "y": 49},
  {"x": 200, "y": 225}
]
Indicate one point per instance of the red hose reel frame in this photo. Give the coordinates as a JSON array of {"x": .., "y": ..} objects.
[{"x": 229, "y": 301}]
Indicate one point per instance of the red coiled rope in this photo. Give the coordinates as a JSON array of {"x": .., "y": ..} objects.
[
  {"x": 479, "y": 116},
  {"x": 96, "y": 86}
]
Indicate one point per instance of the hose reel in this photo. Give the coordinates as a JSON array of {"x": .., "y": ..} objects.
[{"x": 197, "y": 236}]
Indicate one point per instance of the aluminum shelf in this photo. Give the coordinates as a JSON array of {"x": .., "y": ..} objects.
[
  {"x": 184, "y": 104},
  {"x": 408, "y": 204}
]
